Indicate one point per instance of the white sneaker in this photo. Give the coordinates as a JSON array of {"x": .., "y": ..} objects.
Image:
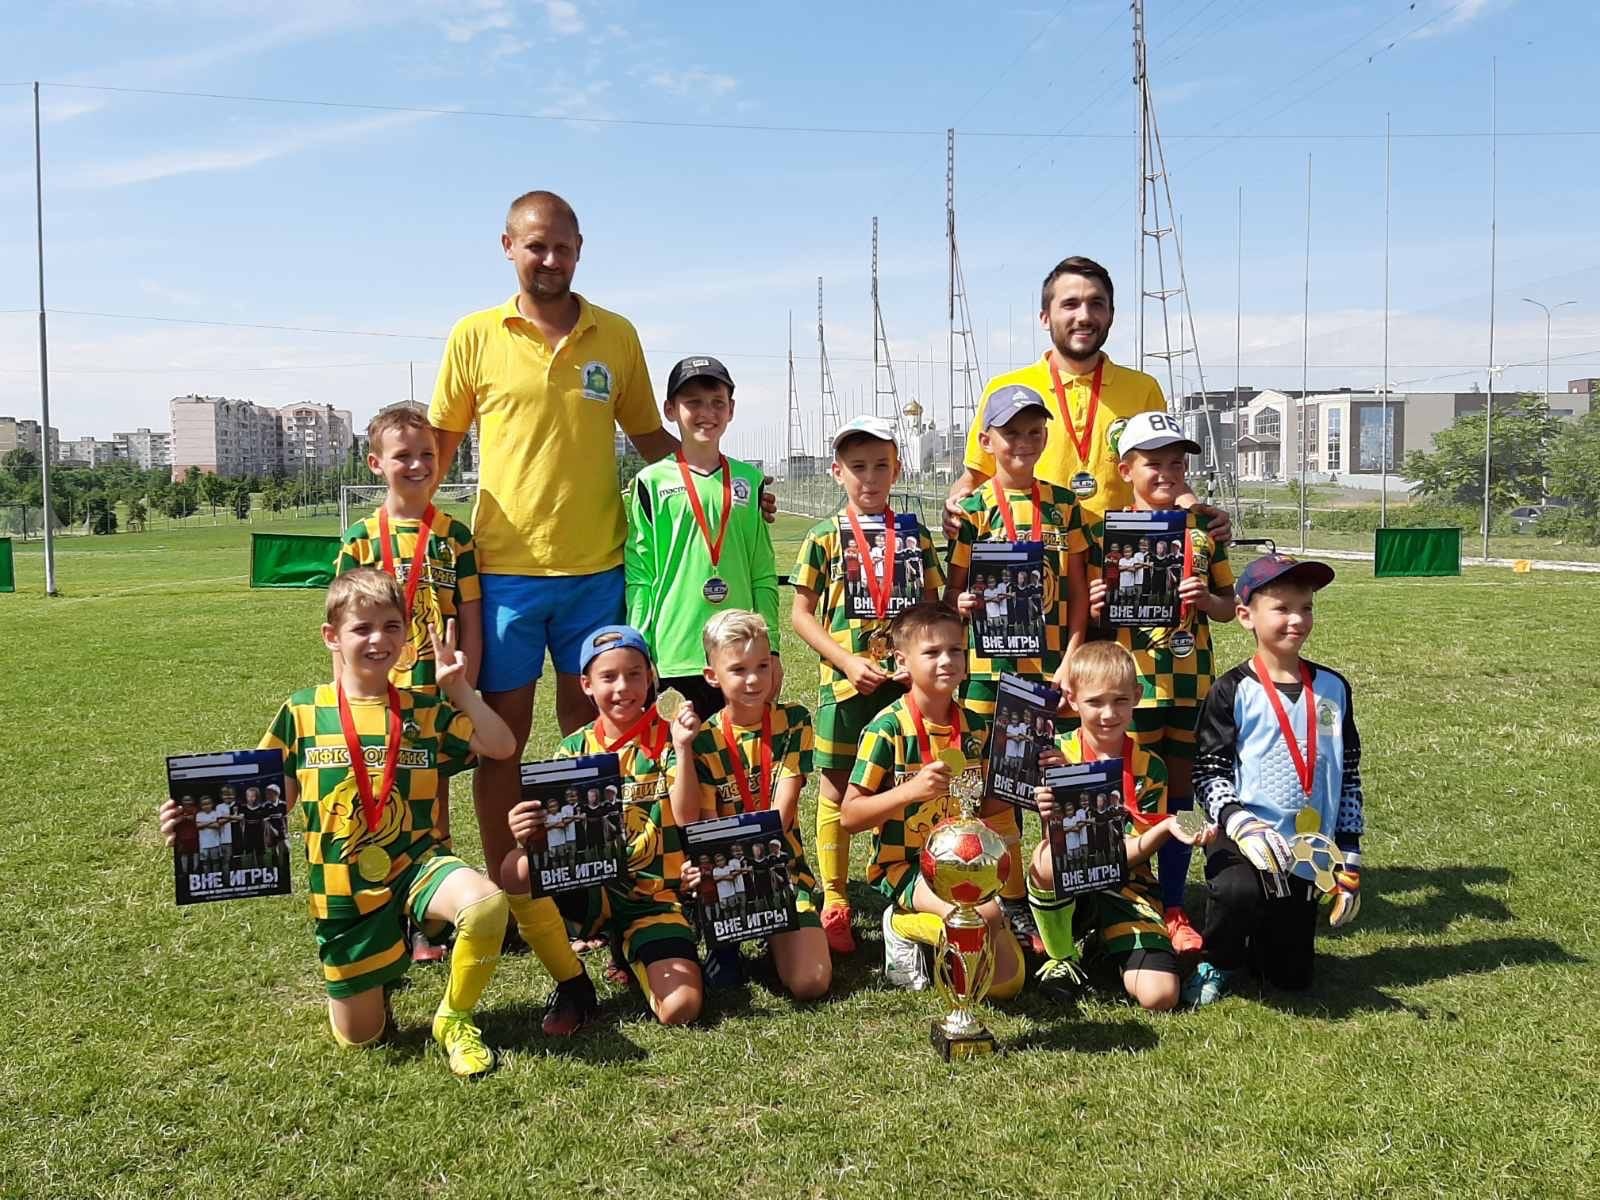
[{"x": 905, "y": 964}]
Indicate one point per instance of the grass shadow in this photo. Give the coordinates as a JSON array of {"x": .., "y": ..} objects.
[
  {"x": 1435, "y": 897},
  {"x": 1347, "y": 986},
  {"x": 516, "y": 1027},
  {"x": 1070, "y": 1031}
]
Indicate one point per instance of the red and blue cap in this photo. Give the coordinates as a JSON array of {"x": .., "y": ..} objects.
[{"x": 1270, "y": 568}]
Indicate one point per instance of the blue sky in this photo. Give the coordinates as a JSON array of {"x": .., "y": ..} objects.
[{"x": 386, "y": 222}]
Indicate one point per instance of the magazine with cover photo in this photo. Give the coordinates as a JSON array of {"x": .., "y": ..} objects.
[
  {"x": 1146, "y": 558},
  {"x": 1008, "y": 580},
  {"x": 583, "y": 843},
  {"x": 904, "y": 557},
  {"x": 1086, "y": 833},
  {"x": 1024, "y": 725},
  {"x": 745, "y": 889},
  {"x": 233, "y": 834}
]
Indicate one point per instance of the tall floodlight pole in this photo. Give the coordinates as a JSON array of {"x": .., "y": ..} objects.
[
  {"x": 1383, "y": 454},
  {"x": 1548, "y": 310},
  {"x": 1238, "y": 326},
  {"x": 1305, "y": 362},
  {"x": 1139, "y": 85},
  {"x": 1494, "y": 196},
  {"x": 44, "y": 359}
]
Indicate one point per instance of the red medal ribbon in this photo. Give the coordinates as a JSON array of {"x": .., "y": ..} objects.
[
  {"x": 634, "y": 733},
  {"x": 1080, "y": 442},
  {"x": 762, "y": 800},
  {"x": 715, "y": 547},
  {"x": 1004, "y": 505},
  {"x": 372, "y": 805},
  {"x": 924, "y": 743},
  {"x": 1130, "y": 790},
  {"x": 879, "y": 589},
  {"x": 418, "y": 556},
  {"x": 1305, "y": 765}
]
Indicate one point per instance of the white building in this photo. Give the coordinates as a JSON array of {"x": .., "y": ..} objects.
[
  {"x": 23, "y": 434},
  {"x": 224, "y": 437},
  {"x": 91, "y": 452},
  {"x": 315, "y": 436},
  {"x": 146, "y": 449}
]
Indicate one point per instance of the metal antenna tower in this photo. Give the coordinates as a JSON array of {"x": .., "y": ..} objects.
[
  {"x": 1156, "y": 207},
  {"x": 797, "y": 433},
  {"x": 883, "y": 384},
  {"x": 963, "y": 405},
  {"x": 831, "y": 420}
]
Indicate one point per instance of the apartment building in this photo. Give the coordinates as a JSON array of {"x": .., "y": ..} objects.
[
  {"x": 22, "y": 434},
  {"x": 146, "y": 449},
  {"x": 224, "y": 437}
]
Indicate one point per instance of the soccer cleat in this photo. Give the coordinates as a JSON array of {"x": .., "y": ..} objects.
[
  {"x": 571, "y": 1006},
  {"x": 422, "y": 950},
  {"x": 1020, "y": 917},
  {"x": 723, "y": 969},
  {"x": 463, "y": 1043},
  {"x": 1207, "y": 985},
  {"x": 905, "y": 964},
  {"x": 1185, "y": 937},
  {"x": 1061, "y": 980},
  {"x": 836, "y": 925}
]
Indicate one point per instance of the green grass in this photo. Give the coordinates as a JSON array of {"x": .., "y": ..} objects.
[{"x": 1450, "y": 1046}]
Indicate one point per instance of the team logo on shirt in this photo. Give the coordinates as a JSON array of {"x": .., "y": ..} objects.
[
  {"x": 596, "y": 381},
  {"x": 741, "y": 491},
  {"x": 1327, "y": 714},
  {"x": 1114, "y": 434}
]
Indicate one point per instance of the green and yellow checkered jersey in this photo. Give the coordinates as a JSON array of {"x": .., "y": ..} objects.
[
  {"x": 1166, "y": 677},
  {"x": 819, "y": 568},
  {"x": 1060, "y": 527},
  {"x": 449, "y": 580},
  {"x": 792, "y": 745},
  {"x": 1149, "y": 780},
  {"x": 655, "y": 844},
  {"x": 889, "y": 755},
  {"x": 435, "y": 742}
]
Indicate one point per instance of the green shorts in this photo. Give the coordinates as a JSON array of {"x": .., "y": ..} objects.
[
  {"x": 652, "y": 928},
  {"x": 1167, "y": 731},
  {"x": 364, "y": 952},
  {"x": 838, "y": 725},
  {"x": 1123, "y": 921}
]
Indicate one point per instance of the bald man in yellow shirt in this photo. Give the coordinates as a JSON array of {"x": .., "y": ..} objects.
[{"x": 1089, "y": 396}]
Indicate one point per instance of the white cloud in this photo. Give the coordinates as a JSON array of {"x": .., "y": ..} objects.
[
  {"x": 477, "y": 16},
  {"x": 164, "y": 164},
  {"x": 564, "y": 17},
  {"x": 1459, "y": 17},
  {"x": 693, "y": 82}
]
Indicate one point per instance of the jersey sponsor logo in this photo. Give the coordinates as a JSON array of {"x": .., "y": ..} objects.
[
  {"x": 597, "y": 381},
  {"x": 643, "y": 791},
  {"x": 432, "y": 573},
  {"x": 320, "y": 757}
]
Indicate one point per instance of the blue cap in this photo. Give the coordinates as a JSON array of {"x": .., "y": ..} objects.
[
  {"x": 1008, "y": 402},
  {"x": 611, "y": 637},
  {"x": 1270, "y": 568}
]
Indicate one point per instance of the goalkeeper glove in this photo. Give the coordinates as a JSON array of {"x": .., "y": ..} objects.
[
  {"x": 1346, "y": 897},
  {"x": 1264, "y": 848}
]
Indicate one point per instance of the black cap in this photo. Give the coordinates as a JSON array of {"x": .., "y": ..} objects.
[{"x": 698, "y": 367}]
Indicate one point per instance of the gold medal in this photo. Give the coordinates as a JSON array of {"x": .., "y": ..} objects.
[
  {"x": 1191, "y": 822},
  {"x": 878, "y": 646},
  {"x": 954, "y": 759},
  {"x": 373, "y": 864},
  {"x": 667, "y": 705},
  {"x": 1307, "y": 820}
]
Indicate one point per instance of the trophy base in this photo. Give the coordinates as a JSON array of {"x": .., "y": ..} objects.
[{"x": 978, "y": 1043}]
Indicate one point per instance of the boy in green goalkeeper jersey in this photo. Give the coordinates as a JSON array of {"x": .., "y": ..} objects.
[{"x": 697, "y": 543}]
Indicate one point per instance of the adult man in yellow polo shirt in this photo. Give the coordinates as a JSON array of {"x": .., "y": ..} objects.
[
  {"x": 1090, "y": 399},
  {"x": 547, "y": 376}
]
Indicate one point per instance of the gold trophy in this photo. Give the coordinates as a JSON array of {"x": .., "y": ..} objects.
[{"x": 965, "y": 863}]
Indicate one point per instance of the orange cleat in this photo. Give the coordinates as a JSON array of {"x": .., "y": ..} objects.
[
  {"x": 1185, "y": 937},
  {"x": 836, "y": 925}
]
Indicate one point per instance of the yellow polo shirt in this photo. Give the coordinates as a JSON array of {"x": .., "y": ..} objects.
[
  {"x": 1123, "y": 392},
  {"x": 548, "y": 500}
]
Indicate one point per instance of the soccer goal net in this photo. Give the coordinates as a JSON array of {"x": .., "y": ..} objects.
[{"x": 359, "y": 499}]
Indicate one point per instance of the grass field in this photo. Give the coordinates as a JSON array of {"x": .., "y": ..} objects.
[{"x": 1451, "y": 1045}]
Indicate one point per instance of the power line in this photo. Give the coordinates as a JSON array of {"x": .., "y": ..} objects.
[
  {"x": 1005, "y": 73},
  {"x": 110, "y": 316}
]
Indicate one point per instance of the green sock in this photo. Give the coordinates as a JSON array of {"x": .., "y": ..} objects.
[{"x": 1054, "y": 919}]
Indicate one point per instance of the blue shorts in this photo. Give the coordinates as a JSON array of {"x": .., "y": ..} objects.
[{"x": 523, "y": 614}]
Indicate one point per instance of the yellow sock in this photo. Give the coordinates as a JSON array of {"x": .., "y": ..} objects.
[
  {"x": 1005, "y": 989},
  {"x": 541, "y": 927},
  {"x": 480, "y": 929},
  {"x": 642, "y": 974},
  {"x": 1009, "y": 826},
  {"x": 920, "y": 927},
  {"x": 833, "y": 853}
]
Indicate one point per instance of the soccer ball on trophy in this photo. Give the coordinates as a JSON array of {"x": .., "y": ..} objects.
[{"x": 965, "y": 863}]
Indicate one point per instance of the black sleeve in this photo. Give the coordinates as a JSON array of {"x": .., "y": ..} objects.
[
  {"x": 1351, "y": 821},
  {"x": 1216, "y": 753},
  {"x": 641, "y": 495}
]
